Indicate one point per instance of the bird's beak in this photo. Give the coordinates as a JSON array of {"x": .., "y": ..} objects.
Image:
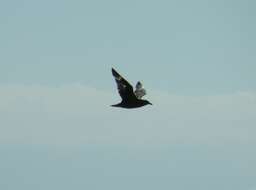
[{"x": 150, "y": 103}]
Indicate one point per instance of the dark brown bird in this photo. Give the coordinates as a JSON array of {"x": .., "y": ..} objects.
[{"x": 130, "y": 98}]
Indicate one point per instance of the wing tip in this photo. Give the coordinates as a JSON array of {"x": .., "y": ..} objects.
[{"x": 114, "y": 72}]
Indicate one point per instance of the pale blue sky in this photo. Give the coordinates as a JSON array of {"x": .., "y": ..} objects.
[
  {"x": 197, "y": 60},
  {"x": 190, "y": 46}
]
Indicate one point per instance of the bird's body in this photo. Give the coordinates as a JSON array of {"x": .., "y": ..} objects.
[
  {"x": 131, "y": 104},
  {"x": 130, "y": 98}
]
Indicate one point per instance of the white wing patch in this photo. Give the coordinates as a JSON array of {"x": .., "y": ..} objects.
[
  {"x": 120, "y": 85},
  {"x": 139, "y": 91}
]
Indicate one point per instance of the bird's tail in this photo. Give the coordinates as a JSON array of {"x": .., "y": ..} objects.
[{"x": 116, "y": 105}]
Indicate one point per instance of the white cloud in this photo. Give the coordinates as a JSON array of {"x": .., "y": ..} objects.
[{"x": 76, "y": 114}]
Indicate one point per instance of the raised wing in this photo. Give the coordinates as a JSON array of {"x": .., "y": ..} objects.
[
  {"x": 124, "y": 88},
  {"x": 140, "y": 91}
]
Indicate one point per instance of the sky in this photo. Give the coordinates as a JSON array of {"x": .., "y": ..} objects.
[{"x": 195, "y": 58}]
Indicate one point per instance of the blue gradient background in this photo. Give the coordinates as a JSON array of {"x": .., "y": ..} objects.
[{"x": 197, "y": 60}]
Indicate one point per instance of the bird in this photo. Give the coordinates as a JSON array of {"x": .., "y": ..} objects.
[{"x": 130, "y": 98}]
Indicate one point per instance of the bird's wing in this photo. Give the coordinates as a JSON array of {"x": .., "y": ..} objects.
[
  {"x": 140, "y": 91},
  {"x": 124, "y": 88}
]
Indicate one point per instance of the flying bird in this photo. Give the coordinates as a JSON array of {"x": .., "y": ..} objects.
[{"x": 130, "y": 98}]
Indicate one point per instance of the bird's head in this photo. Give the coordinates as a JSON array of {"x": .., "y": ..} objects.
[{"x": 146, "y": 102}]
